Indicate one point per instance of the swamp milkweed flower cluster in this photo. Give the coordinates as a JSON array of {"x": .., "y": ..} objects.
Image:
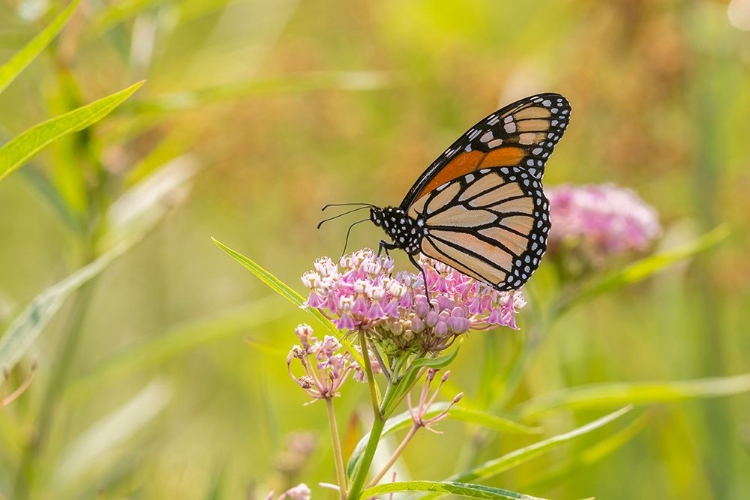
[
  {"x": 325, "y": 366},
  {"x": 603, "y": 220},
  {"x": 363, "y": 293}
]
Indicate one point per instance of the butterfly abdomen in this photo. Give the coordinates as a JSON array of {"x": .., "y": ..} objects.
[{"x": 405, "y": 232}]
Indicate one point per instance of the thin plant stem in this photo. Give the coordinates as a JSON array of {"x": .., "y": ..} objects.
[
  {"x": 368, "y": 372},
  {"x": 337, "y": 455},
  {"x": 397, "y": 453},
  {"x": 47, "y": 412},
  {"x": 360, "y": 475}
]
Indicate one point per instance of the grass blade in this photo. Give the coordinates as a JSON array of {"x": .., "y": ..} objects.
[
  {"x": 590, "y": 456},
  {"x": 494, "y": 467},
  {"x": 607, "y": 395},
  {"x": 178, "y": 340},
  {"x": 101, "y": 441},
  {"x": 22, "y": 332},
  {"x": 304, "y": 82},
  {"x": 10, "y": 70},
  {"x": 288, "y": 293},
  {"x": 403, "y": 421},
  {"x": 17, "y": 151},
  {"x": 447, "y": 487},
  {"x": 647, "y": 267}
]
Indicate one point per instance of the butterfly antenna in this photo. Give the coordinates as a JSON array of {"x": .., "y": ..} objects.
[
  {"x": 325, "y": 207},
  {"x": 346, "y": 241},
  {"x": 341, "y": 215}
]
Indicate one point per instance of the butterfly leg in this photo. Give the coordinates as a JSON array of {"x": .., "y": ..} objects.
[
  {"x": 424, "y": 277},
  {"x": 384, "y": 245}
]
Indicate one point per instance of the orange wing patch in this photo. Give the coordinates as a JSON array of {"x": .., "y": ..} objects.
[
  {"x": 471, "y": 161},
  {"x": 503, "y": 157},
  {"x": 458, "y": 166}
]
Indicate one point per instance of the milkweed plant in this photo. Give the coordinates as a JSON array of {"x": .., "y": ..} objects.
[{"x": 393, "y": 334}]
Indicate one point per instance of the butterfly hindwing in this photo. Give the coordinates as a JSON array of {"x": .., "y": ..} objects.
[
  {"x": 491, "y": 224},
  {"x": 522, "y": 134}
]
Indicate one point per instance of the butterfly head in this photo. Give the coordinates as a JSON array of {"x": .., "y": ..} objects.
[{"x": 402, "y": 229}]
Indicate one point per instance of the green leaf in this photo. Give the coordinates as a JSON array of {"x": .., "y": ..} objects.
[
  {"x": 597, "y": 396},
  {"x": 403, "y": 421},
  {"x": 177, "y": 341},
  {"x": 146, "y": 114},
  {"x": 147, "y": 202},
  {"x": 586, "y": 458},
  {"x": 303, "y": 82},
  {"x": 18, "y": 150},
  {"x": 102, "y": 442},
  {"x": 288, "y": 293},
  {"x": 404, "y": 385},
  {"x": 490, "y": 421},
  {"x": 494, "y": 467},
  {"x": 446, "y": 487},
  {"x": 22, "y": 332},
  {"x": 646, "y": 267},
  {"x": 10, "y": 70}
]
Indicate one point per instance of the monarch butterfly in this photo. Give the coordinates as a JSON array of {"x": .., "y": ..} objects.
[{"x": 480, "y": 207}]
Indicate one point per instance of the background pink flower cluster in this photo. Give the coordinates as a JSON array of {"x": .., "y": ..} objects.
[
  {"x": 608, "y": 218},
  {"x": 363, "y": 293}
]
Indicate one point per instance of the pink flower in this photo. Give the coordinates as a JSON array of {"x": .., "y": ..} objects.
[
  {"x": 325, "y": 364},
  {"x": 299, "y": 492},
  {"x": 603, "y": 219},
  {"x": 363, "y": 293}
]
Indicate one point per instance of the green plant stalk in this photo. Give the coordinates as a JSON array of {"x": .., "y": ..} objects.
[
  {"x": 372, "y": 444},
  {"x": 368, "y": 373},
  {"x": 337, "y": 455},
  {"x": 60, "y": 373},
  {"x": 364, "y": 465}
]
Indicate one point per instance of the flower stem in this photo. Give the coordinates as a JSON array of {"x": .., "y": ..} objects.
[
  {"x": 364, "y": 463},
  {"x": 396, "y": 454},
  {"x": 368, "y": 372},
  {"x": 337, "y": 455},
  {"x": 363, "y": 467}
]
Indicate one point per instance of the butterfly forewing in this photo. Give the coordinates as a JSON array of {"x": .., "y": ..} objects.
[{"x": 522, "y": 134}]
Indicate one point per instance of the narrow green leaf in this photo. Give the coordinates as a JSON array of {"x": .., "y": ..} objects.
[
  {"x": 447, "y": 487},
  {"x": 494, "y": 467},
  {"x": 647, "y": 267},
  {"x": 147, "y": 202},
  {"x": 597, "y": 396},
  {"x": 491, "y": 421},
  {"x": 10, "y": 70},
  {"x": 303, "y": 82},
  {"x": 403, "y": 421},
  {"x": 18, "y": 150},
  {"x": 288, "y": 293},
  {"x": 22, "y": 332},
  {"x": 178, "y": 340},
  {"x": 394, "y": 397},
  {"x": 590, "y": 456},
  {"x": 437, "y": 363},
  {"x": 102, "y": 441},
  {"x": 150, "y": 113}
]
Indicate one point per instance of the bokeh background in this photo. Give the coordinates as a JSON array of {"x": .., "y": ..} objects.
[{"x": 166, "y": 378}]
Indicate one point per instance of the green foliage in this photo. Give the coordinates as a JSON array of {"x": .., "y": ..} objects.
[
  {"x": 19, "y": 150},
  {"x": 24, "y": 330},
  {"x": 447, "y": 487},
  {"x": 10, "y": 70}
]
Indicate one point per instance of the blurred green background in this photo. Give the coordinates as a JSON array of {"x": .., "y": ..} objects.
[{"x": 165, "y": 377}]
